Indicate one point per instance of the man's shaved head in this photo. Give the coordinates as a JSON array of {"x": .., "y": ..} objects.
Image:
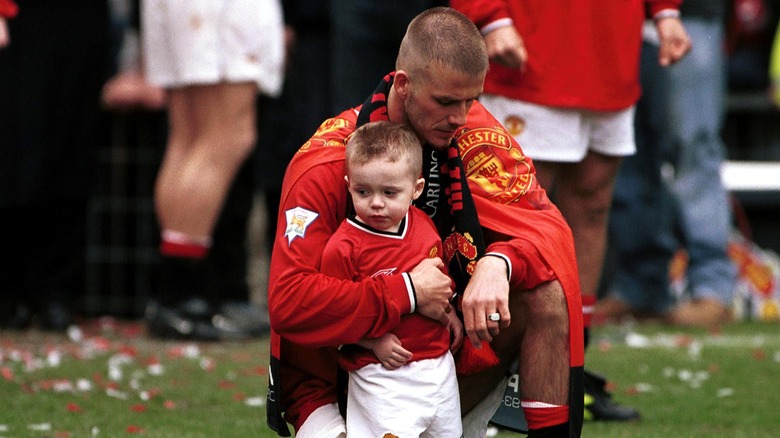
[{"x": 446, "y": 36}]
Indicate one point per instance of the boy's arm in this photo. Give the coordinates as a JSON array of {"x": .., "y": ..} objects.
[
  {"x": 307, "y": 306},
  {"x": 455, "y": 326},
  {"x": 313, "y": 309}
]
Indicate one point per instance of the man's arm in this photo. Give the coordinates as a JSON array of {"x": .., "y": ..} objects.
[
  {"x": 483, "y": 13},
  {"x": 502, "y": 40},
  {"x": 313, "y": 309}
]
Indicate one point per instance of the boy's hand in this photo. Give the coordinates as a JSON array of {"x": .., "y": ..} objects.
[
  {"x": 455, "y": 327},
  {"x": 390, "y": 352}
]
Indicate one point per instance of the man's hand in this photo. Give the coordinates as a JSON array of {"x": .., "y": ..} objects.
[
  {"x": 505, "y": 47},
  {"x": 486, "y": 293},
  {"x": 675, "y": 42},
  {"x": 433, "y": 289}
]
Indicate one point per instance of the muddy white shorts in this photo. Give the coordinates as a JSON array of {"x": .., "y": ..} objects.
[
  {"x": 563, "y": 134},
  {"x": 420, "y": 399},
  {"x": 189, "y": 42}
]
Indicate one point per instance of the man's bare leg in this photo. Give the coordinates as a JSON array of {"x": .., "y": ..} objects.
[
  {"x": 539, "y": 336},
  {"x": 583, "y": 193}
]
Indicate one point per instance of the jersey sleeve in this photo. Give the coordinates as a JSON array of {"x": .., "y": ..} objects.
[
  {"x": 8, "y": 9},
  {"x": 528, "y": 266},
  {"x": 338, "y": 258},
  {"x": 655, "y": 6},
  {"x": 306, "y": 306},
  {"x": 482, "y": 12}
]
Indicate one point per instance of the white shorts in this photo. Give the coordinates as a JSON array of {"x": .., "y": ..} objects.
[
  {"x": 189, "y": 42},
  {"x": 324, "y": 422},
  {"x": 563, "y": 134},
  {"x": 420, "y": 399}
]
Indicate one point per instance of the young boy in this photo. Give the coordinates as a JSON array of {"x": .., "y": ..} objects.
[{"x": 404, "y": 382}]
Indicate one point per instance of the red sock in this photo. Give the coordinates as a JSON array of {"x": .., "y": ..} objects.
[
  {"x": 588, "y": 301},
  {"x": 541, "y": 415},
  {"x": 175, "y": 244}
]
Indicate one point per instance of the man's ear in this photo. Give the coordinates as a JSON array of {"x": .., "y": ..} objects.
[
  {"x": 418, "y": 188},
  {"x": 402, "y": 83},
  {"x": 346, "y": 180}
]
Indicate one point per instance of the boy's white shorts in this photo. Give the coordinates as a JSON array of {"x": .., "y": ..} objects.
[
  {"x": 420, "y": 399},
  {"x": 324, "y": 422}
]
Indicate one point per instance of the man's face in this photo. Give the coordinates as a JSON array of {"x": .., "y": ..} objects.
[{"x": 437, "y": 103}]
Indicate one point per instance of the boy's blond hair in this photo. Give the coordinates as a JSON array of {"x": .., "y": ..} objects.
[{"x": 387, "y": 141}]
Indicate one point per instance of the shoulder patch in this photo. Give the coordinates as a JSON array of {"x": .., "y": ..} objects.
[{"x": 298, "y": 219}]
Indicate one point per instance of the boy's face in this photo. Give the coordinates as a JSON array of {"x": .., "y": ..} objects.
[{"x": 382, "y": 192}]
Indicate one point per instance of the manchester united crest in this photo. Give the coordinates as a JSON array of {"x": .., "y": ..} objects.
[{"x": 495, "y": 164}]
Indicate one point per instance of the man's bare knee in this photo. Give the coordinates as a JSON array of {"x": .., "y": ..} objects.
[
  {"x": 547, "y": 304},
  {"x": 544, "y": 362}
]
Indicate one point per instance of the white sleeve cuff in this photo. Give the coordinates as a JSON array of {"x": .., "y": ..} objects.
[
  {"x": 490, "y": 27},
  {"x": 666, "y": 13},
  {"x": 410, "y": 291},
  {"x": 506, "y": 260}
]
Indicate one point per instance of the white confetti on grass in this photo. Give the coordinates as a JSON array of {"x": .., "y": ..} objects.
[
  {"x": 75, "y": 333},
  {"x": 40, "y": 427},
  {"x": 693, "y": 378},
  {"x": 207, "y": 364},
  {"x": 155, "y": 369},
  {"x": 119, "y": 367},
  {"x": 54, "y": 358},
  {"x": 115, "y": 374},
  {"x": 111, "y": 392},
  {"x": 191, "y": 351},
  {"x": 637, "y": 340},
  {"x": 644, "y": 387},
  {"x": 724, "y": 392},
  {"x": 694, "y": 350},
  {"x": 83, "y": 385},
  {"x": 63, "y": 386},
  {"x": 255, "y": 402}
]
